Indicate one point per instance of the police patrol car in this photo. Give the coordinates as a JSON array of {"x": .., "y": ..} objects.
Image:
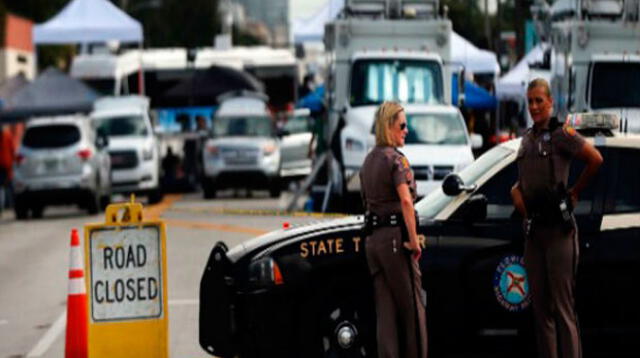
[{"x": 306, "y": 291}]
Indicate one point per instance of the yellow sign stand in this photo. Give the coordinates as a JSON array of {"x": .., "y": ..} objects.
[{"x": 127, "y": 285}]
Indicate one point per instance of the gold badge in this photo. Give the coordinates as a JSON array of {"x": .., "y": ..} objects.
[{"x": 570, "y": 130}]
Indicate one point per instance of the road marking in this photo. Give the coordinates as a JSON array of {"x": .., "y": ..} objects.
[
  {"x": 259, "y": 212},
  {"x": 156, "y": 210},
  {"x": 217, "y": 227},
  {"x": 52, "y": 334},
  {"x": 184, "y": 302}
]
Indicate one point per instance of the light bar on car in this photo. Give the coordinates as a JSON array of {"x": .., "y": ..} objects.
[{"x": 581, "y": 121}]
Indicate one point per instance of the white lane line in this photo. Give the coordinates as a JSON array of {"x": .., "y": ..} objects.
[
  {"x": 183, "y": 302},
  {"x": 52, "y": 334},
  {"x": 59, "y": 325}
]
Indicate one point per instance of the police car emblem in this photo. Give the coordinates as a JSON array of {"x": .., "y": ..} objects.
[{"x": 510, "y": 284}]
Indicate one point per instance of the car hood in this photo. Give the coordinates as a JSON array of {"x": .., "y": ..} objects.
[
  {"x": 425, "y": 154},
  {"x": 254, "y": 142},
  {"x": 277, "y": 238},
  {"x": 128, "y": 142},
  {"x": 361, "y": 117}
]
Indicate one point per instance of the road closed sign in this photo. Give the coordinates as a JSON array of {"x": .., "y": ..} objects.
[
  {"x": 126, "y": 267},
  {"x": 127, "y": 285}
]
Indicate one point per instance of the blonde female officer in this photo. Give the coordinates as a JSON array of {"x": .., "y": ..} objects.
[{"x": 389, "y": 190}]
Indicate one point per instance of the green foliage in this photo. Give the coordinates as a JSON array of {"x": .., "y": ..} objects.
[{"x": 469, "y": 20}]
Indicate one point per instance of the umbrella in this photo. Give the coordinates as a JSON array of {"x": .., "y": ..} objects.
[{"x": 205, "y": 85}]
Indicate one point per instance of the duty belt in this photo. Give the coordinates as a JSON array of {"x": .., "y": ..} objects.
[{"x": 378, "y": 221}]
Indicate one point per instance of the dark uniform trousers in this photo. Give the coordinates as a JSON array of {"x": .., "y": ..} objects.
[
  {"x": 551, "y": 259},
  {"x": 402, "y": 329}
]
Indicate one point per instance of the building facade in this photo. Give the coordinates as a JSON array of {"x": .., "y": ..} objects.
[{"x": 17, "y": 49}]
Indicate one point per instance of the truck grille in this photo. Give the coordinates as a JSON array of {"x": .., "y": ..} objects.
[
  {"x": 240, "y": 156},
  {"x": 428, "y": 172},
  {"x": 123, "y": 159}
]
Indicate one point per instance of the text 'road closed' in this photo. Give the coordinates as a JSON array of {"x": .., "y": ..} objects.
[{"x": 126, "y": 280}]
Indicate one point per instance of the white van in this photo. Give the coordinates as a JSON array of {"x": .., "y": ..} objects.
[
  {"x": 437, "y": 144},
  {"x": 133, "y": 147}
]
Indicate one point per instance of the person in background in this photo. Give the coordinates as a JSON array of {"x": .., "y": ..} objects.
[{"x": 7, "y": 154}]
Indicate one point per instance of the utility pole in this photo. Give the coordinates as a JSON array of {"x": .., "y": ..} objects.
[{"x": 487, "y": 25}]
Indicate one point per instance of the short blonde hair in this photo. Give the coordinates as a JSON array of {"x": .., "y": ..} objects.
[
  {"x": 385, "y": 117},
  {"x": 540, "y": 82}
]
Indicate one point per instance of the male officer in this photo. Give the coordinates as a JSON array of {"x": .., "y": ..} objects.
[{"x": 551, "y": 246}]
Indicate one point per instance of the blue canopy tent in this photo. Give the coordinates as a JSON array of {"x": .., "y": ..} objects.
[{"x": 475, "y": 97}]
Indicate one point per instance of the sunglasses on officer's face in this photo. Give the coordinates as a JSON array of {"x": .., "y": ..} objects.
[{"x": 403, "y": 126}]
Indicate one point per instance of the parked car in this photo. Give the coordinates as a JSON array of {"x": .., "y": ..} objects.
[
  {"x": 250, "y": 148},
  {"x": 133, "y": 146},
  {"x": 61, "y": 160},
  {"x": 306, "y": 291}
]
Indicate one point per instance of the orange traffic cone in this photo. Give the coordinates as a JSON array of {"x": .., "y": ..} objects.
[{"x": 76, "y": 343}]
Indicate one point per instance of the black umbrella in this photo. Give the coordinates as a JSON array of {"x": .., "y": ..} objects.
[
  {"x": 52, "y": 93},
  {"x": 206, "y": 85}
]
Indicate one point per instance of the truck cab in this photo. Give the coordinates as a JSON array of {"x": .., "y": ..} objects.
[
  {"x": 594, "y": 57},
  {"x": 381, "y": 50}
]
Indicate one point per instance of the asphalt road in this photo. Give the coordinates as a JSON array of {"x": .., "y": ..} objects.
[{"x": 34, "y": 264}]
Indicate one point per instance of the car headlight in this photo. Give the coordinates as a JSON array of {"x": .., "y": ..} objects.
[
  {"x": 147, "y": 154},
  {"x": 212, "y": 150},
  {"x": 265, "y": 272},
  {"x": 269, "y": 148},
  {"x": 354, "y": 145}
]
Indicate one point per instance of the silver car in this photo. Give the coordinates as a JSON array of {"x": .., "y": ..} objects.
[
  {"x": 249, "y": 149},
  {"x": 62, "y": 160}
]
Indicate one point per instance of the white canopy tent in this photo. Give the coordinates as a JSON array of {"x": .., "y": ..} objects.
[
  {"x": 512, "y": 86},
  {"x": 89, "y": 21},
  {"x": 473, "y": 59}
]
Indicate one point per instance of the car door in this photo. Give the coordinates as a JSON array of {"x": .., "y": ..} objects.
[
  {"x": 619, "y": 251},
  {"x": 477, "y": 249},
  {"x": 294, "y": 147}
]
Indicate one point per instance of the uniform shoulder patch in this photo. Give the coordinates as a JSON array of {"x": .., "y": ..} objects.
[
  {"x": 405, "y": 162},
  {"x": 569, "y": 130}
]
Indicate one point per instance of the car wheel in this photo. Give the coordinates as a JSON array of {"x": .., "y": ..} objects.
[
  {"x": 155, "y": 196},
  {"x": 274, "y": 188},
  {"x": 209, "y": 191},
  {"x": 105, "y": 200},
  {"x": 93, "y": 203},
  {"x": 37, "y": 211},
  {"x": 21, "y": 209},
  {"x": 346, "y": 324}
]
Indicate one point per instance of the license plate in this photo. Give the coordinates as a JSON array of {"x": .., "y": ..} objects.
[{"x": 50, "y": 165}]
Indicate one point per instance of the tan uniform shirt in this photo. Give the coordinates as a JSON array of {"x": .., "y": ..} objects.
[
  {"x": 383, "y": 170},
  {"x": 534, "y": 166}
]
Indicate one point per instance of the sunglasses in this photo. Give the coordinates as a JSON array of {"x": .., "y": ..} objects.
[{"x": 403, "y": 126}]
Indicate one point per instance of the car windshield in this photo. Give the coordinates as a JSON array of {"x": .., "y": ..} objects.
[
  {"x": 123, "y": 126},
  {"x": 615, "y": 85},
  {"x": 440, "y": 128},
  {"x": 258, "y": 126},
  {"x": 51, "y": 136},
  {"x": 433, "y": 203},
  {"x": 374, "y": 81}
]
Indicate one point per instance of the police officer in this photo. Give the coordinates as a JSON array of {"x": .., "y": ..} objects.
[
  {"x": 551, "y": 244},
  {"x": 389, "y": 190}
]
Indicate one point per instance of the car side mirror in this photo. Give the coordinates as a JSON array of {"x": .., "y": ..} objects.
[
  {"x": 476, "y": 208},
  {"x": 452, "y": 185},
  {"x": 476, "y": 141},
  {"x": 102, "y": 140}
]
